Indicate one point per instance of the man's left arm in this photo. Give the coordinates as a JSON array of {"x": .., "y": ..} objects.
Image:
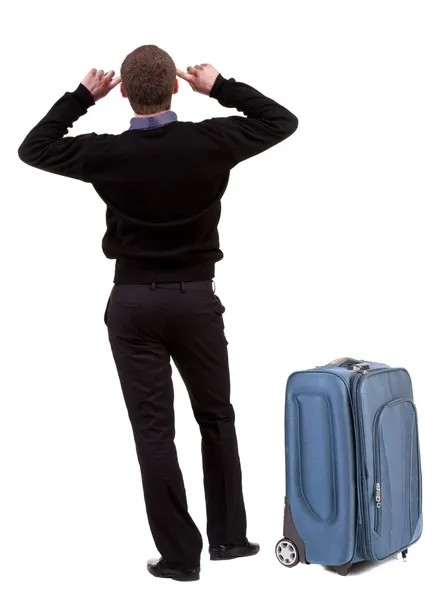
[{"x": 46, "y": 148}]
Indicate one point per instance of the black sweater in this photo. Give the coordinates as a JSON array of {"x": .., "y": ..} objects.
[{"x": 163, "y": 186}]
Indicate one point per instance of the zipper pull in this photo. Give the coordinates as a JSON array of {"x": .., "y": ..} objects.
[{"x": 378, "y": 496}]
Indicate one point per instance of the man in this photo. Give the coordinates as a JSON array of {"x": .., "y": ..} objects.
[{"x": 162, "y": 182}]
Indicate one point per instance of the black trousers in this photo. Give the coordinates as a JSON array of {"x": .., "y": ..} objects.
[{"x": 148, "y": 325}]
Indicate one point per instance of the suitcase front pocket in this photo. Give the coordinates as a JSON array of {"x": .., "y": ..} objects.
[{"x": 397, "y": 484}]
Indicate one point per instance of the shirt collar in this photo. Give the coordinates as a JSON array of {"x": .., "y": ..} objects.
[{"x": 153, "y": 122}]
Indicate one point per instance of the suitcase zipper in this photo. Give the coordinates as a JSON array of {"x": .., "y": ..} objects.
[
  {"x": 377, "y": 521},
  {"x": 377, "y": 473},
  {"x": 361, "y": 474}
]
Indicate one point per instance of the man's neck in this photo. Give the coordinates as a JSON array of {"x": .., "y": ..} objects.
[{"x": 152, "y": 114}]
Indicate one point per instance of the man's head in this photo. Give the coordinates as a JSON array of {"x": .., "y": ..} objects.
[{"x": 148, "y": 80}]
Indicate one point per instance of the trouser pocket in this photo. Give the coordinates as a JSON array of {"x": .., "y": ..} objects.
[{"x": 106, "y": 311}]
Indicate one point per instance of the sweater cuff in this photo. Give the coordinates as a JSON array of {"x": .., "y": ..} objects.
[
  {"x": 217, "y": 86},
  {"x": 84, "y": 96}
]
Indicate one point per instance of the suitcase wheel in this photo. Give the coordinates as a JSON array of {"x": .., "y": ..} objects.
[{"x": 287, "y": 553}]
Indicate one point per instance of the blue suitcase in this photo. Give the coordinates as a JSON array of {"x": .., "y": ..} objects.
[{"x": 353, "y": 470}]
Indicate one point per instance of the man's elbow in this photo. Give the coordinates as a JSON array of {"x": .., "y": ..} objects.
[
  {"x": 29, "y": 154},
  {"x": 291, "y": 124},
  {"x": 24, "y": 154},
  {"x": 286, "y": 125}
]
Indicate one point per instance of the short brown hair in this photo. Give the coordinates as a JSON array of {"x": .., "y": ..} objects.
[{"x": 148, "y": 75}]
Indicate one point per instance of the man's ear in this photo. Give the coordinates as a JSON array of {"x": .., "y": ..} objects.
[
  {"x": 123, "y": 91},
  {"x": 175, "y": 87}
]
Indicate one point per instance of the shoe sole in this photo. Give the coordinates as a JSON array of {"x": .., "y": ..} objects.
[
  {"x": 229, "y": 556},
  {"x": 182, "y": 578}
]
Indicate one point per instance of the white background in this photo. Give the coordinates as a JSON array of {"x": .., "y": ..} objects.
[{"x": 334, "y": 245}]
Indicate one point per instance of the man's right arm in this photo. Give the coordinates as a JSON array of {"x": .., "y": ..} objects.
[{"x": 265, "y": 124}]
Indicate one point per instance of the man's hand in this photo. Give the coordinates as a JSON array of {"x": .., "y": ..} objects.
[
  {"x": 99, "y": 84},
  {"x": 201, "y": 77}
]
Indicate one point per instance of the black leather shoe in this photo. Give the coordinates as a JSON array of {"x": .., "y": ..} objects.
[
  {"x": 229, "y": 551},
  {"x": 158, "y": 568}
]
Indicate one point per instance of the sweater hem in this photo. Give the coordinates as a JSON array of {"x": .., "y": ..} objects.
[{"x": 134, "y": 271}]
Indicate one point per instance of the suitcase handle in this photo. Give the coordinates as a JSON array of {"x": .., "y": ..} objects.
[{"x": 344, "y": 363}]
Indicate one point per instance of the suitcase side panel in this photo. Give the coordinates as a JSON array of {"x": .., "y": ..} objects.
[{"x": 320, "y": 465}]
